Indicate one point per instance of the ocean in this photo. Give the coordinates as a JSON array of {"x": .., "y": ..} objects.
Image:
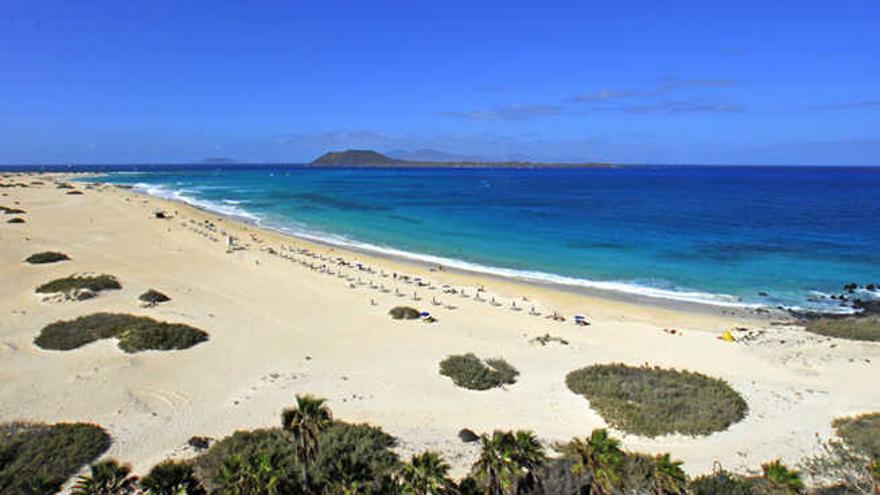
[{"x": 743, "y": 236}]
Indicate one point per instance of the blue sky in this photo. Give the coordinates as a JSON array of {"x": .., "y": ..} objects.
[{"x": 764, "y": 82}]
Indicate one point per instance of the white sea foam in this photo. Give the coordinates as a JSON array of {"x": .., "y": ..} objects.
[{"x": 184, "y": 195}]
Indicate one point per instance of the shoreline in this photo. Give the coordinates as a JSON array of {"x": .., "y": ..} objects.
[
  {"x": 746, "y": 315},
  {"x": 570, "y": 285},
  {"x": 281, "y": 326}
]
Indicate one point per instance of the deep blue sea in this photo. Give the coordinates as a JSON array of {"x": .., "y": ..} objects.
[{"x": 730, "y": 235}]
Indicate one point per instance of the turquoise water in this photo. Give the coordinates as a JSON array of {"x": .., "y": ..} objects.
[{"x": 728, "y": 235}]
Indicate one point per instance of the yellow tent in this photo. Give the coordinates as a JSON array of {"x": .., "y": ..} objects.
[{"x": 727, "y": 336}]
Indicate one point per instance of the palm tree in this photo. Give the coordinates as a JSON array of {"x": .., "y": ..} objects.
[
  {"x": 509, "y": 462},
  {"x": 106, "y": 478},
  {"x": 600, "y": 456},
  {"x": 305, "y": 422},
  {"x": 494, "y": 469},
  {"x": 172, "y": 478},
  {"x": 669, "y": 478},
  {"x": 426, "y": 474},
  {"x": 529, "y": 456},
  {"x": 781, "y": 478}
]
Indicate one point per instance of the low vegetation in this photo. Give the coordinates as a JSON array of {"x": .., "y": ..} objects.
[
  {"x": 15, "y": 220},
  {"x": 311, "y": 454},
  {"x": 720, "y": 482},
  {"x": 172, "y": 478},
  {"x": 135, "y": 333},
  {"x": 861, "y": 432},
  {"x": 404, "y": 313},
  {"x": 153, "y": 297},
  {"x": 471, "y": 372},
  {"x": 652, "y": 401},
  {"x": 106, "y": 478},
  {"x": 344, "y": 456},
  {"x": 46, "y": 257},
  {"x": 94, "y": 283},
  {"x": 546, "y": 339},
  {"x": 865, "y": 328},
  {"x": 38, "y": 458}
]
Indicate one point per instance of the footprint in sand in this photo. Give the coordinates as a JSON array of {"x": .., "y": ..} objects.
[
  {"x": 7, "y": 347},
  {"x": 158, "y": 401},
  {"x": 267, "y": 382}
]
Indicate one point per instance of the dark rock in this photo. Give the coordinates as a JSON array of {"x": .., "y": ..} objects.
[
  {"x": 199, "y": 443},
  {"x": 15, "y": 220},
  {"x": 153, "y": 297},
  {"x": 160, "y": 215},
  {"x": 468, "y": 436},
  {"x": 763, "y": 294},
  {"x": 850, "y": 287},
  {"x": 868, "y": 307}
]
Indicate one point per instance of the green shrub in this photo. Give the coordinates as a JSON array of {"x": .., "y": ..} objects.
[
  {"x": 355, "y": 454},
  {"x": 837, "y": 467},
  {"x": 720, "y": 483},
  {"x": 135, "y": 333},
  {"x": 39, "y": 458},
  {"x": 404, "y": 313},
  {"x": 469, "y": 371},
  {"x": 852, "y": 328},
  {"x": 94, "y": 283},
  {"x": 860, "y": 432},
  {"x": 15, "y": 220},
  {"x": 153, "y": 297},
  {"x": 46, "y": 257},
  {"x": 780, "y": 479},
  {"x": 348, "y": 455},
  {"x": 172, "y": 478},
  {"x": 654, "y": 401},
  {"x": 232, "y": 457}
]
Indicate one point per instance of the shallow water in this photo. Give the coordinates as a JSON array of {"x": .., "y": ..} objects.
[{"x": 719, "y": 234}]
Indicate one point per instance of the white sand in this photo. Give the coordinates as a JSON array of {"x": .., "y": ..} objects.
[{"x": 279, "y": 329}]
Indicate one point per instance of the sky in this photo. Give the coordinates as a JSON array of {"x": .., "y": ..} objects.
[{"x": 764, "y": 82}]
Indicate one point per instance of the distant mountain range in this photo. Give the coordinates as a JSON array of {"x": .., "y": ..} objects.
[{"x": 370, "y": 158}]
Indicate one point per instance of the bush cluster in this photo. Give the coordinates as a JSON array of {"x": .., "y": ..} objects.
[
  {"x": 404, "y": 313},
  {"x": 95, "y": 283},
  {"x": 15, "y": 220},
  {"x": 46, "y": 257},
  {"x": 348, "y": 455},
  {"x": 135, "y": 333},
  {"x": 853, "y": 328},
  {"x": 153, "y": 297},
  {"x": 861, "y": 432},
  {"x": 652, "y": 401},
  {"x": 471, "y": 372},
  {"x": 38, "y": 458}
]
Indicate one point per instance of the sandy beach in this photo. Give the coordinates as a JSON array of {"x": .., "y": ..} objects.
[{"x": 280, "y": 325}]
